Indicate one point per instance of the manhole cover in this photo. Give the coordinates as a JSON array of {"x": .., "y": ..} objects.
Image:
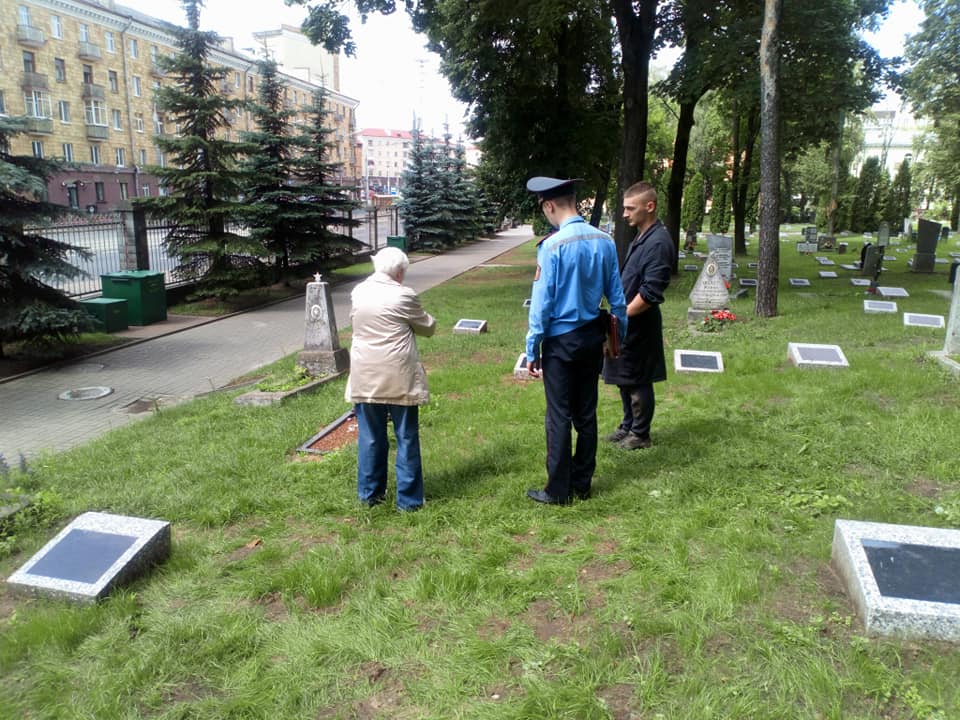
[{"x": 86, "y": 393}]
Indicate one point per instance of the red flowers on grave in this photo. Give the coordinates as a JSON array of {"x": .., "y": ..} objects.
[{"x": 717, "y": 319}]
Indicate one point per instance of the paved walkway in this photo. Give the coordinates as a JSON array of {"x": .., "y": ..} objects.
[{"x": 190, "y": 360}]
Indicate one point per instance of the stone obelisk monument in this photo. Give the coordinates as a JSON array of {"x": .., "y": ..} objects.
[{"x": 322, "y": 354}]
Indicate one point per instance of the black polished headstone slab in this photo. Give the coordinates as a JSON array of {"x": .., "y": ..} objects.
[
  {"x": 698, "y": 361},
  {"x": 915, "y": 572},
  {"x": 93, "y": 554},
  {"x": 928, "y": 233},
  {"x": 83, "y": 555},
  {"x": 816, "y": 355}
]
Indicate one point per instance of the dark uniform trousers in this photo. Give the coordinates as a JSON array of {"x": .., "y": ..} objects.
[
  {"x": 639, "y": 404},
  {"x": 571, "y": 365}
]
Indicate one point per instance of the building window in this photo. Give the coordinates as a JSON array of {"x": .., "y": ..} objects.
[
  {"x": 236, "y": 80},
  {"x": 112, "y": 79},
  {"x": 68, "y": 152},
  {"x": 23, "y": 15},
  {"x": 3, "y": 106},
  {"x": 98, "y": 192},
  {"x": 138, "y": 122},
  {"x": 161, "y": 158},
  {"x": 110, "y": 41},
  {"x": 88, "y": 74},
  {"x": 117, "y": 118},
  {"x": 136, "y": 86},
  {"x": 29, "y": 62},
  {"x": 56, "y": 27},
  {"x": 84, "y": 32},
  {"x": 73, "y": 197},
  {"x": 154, "y": 54},
  {"x": 121, "y": 157},
  {"x": 95, "y": 113},
  {"x": 250, "y": 83},
  {"x": 145, "y": 191},
  {"x": 37, "y": 104},
  {"x": 64, "y": 108},
  {"x": 60, "y": 69},
  {"x": 95, "y": 154},
  {"x": 37, "y": 147},
  {"x": 124, "y": 192},
  {"x": 143, "y": 157},
  {"x": 134, "y": 50}
]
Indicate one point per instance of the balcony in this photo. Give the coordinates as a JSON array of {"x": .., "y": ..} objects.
[
  {"x": 88, "y": 51},
  {"x": 39, "y": 125},
  {"x": 98, "y": 132},
  {"x": 30, "y": 36},
  {"x": 34, "y": 81},
  {"x": 93, "y": 92}
]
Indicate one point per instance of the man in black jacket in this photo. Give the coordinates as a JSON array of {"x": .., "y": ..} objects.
[{"x": 645, "y": 276}]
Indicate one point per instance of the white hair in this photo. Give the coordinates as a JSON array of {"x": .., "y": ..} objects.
[{"x": 392, "y": 261}]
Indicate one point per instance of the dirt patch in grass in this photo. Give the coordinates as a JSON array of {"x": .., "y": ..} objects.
[
  {"x": 8, "y": 604},
  {"x": 493, "y": 627},
  {"x": 618, "y": 700},
  {"x": 387, "y": 702},
  {"x": 550, "y": 622},
  {"x": 244, "y": 551},
  {"x": 923, "y": 487},
  {"x": 598, "y": 571},
  {"x": 274, "y": 608}
]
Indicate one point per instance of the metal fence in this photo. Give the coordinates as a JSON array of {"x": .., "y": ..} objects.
[{"x": 108, "y": 241}]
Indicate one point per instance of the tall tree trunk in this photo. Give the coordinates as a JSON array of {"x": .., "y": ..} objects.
[
  {"x": 769, "y": 255},
  {"x": 833, "y": 204},
  {"x": 678, "y": 172},
  {"x": 635, "y": 30},
  {"x": 742, "y": 186}
]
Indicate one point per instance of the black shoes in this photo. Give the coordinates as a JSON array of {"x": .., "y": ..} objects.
[
  {"x": 542, "y": 496},
  {"x": 373, "y": 501},
  {"x": 633, "y": 441},
  {"x": 616, "y": 436}
]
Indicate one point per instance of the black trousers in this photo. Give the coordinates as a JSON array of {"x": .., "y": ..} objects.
[
  {"x": 571, "y": 365},
  {"x": 639, "y": 403}
]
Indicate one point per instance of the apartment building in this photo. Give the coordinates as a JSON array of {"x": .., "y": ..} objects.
[
  {"x": 84, "y": 72},
  {"x": 385, "y": 154}
]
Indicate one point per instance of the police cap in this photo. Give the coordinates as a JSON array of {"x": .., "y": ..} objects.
[{"x": 548, "y": 188}]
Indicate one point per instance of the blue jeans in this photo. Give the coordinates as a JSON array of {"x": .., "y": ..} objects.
[{"x": 373, "y": 445}]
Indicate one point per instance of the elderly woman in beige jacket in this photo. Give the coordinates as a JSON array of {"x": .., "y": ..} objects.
[{"x": 387, "y": 379}]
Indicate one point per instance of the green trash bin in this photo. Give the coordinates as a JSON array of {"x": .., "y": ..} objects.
[
  {"x": 111, "y": 312},
  {"x": 397, "y": 241},
  {"x": 144, "y": 291}
]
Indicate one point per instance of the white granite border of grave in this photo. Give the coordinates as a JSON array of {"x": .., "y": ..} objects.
[
  {"x": 468, "y": 326},
  {"x": 911, "y": 319},
  {"x": 151, "y": 545},
  {"x": 678, "y": 365},
  {"x": 794, "y": 353},
  {"x": 885, "y": 615},
  {"x": 875, "y": 307}
]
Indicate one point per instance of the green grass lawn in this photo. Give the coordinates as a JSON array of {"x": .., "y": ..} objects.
[{"x": 695, "y": 584}]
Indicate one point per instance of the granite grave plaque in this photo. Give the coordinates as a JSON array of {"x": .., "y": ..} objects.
[
  {"x": 526, "y": 303},
  {"x": 92, "y": 555},
  {"x": 691, "y": 268},
  {"x": 903, "y": 580},
  {"x": 922, "y": 320},
  {"x": 520, "y": 371},
  {"x": 827, "y": 274},
  {"x": 697, "y": 361},
  {"x": 748, "y": 282},
  {"x": 825, "y": 261},
  {"x": 879, "y": 306},
  {"x": 815, "y": 355},
  {"x": 860, "y": 282},
  {"x": 470, "y": 327},
  {"x": 799, "y": 282},
  {"x": 885, "y": 291}
]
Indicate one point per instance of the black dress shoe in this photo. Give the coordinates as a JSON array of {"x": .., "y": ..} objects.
[
  {"x": 373, "y": 501},
  {"x": 581, "y": 494},
  {"x": 542, "y": 496}
]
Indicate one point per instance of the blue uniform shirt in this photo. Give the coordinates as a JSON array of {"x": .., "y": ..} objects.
[{"x": 578, "y": 267}]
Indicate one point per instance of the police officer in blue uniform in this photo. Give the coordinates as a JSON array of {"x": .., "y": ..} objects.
[{"x": 576, "y": 268}]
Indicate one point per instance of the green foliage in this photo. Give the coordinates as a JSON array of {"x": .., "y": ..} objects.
[
  {"x": 43, "y": 509},
  {"x": 694, "y": 205},
  {"x": 30, "y": 308},
  {"x": 864, "y": 215},
  {"x": 720, "y": 208}
]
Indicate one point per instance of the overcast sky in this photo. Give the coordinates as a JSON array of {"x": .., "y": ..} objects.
[{"x": 393, "y": 74}]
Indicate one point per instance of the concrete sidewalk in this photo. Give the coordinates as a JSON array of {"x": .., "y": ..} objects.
[{"x": 192, "y": 360}]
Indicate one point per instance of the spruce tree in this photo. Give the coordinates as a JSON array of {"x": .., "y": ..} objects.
[
  {"x": 720, "y": 209},
  {"x": 324, "y": 205},
  {"x": 898, "y": 201},
  {"x": 862, "y": 213},
  {"x": 469, "y": 216},
  {"x": 202, "y": 180},
  {"x": 420, "y": 207},
  {"x": 31, "y": 309}
]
